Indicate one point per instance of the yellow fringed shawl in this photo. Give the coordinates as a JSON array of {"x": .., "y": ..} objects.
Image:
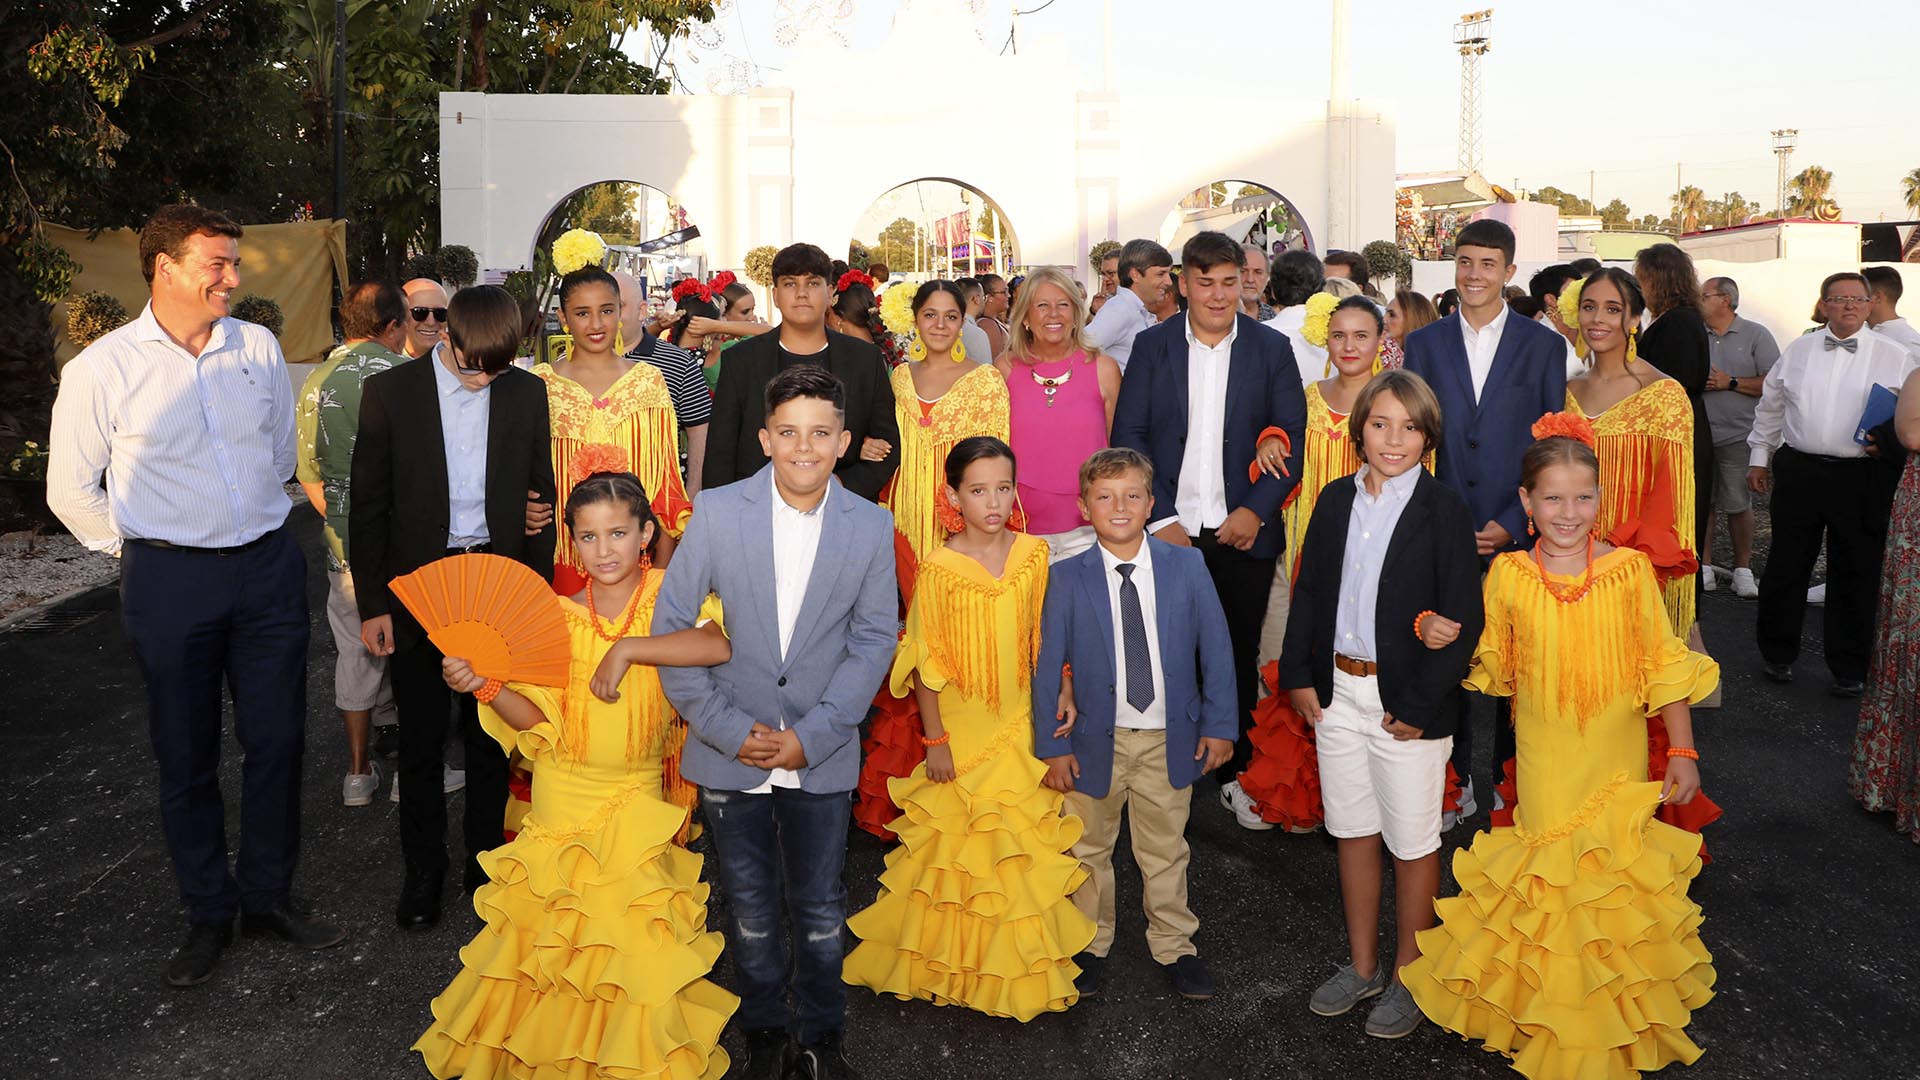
[
  {"x": 637, "y": 416},
  {"x": 1327, "y": 453},
  {"x": 1578, "y": 655},
  {"x": 975, "y": 405},
  {"x": 957, "y": 617},
  {"x": 1643, "y": 441},
  {"x": 648, "y": 713}
]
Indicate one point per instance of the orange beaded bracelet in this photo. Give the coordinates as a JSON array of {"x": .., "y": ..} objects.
[
  {"x": 1419, "y": 619},
  {"x": 1683, "y": 751},
  {"x": 488, "y": 691},
  {"x": 945, "y": 737}
]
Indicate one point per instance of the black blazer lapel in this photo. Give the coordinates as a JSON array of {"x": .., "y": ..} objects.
[
  {"x": 1413, "y": 520},
  {"x": 429, "y": 454}
]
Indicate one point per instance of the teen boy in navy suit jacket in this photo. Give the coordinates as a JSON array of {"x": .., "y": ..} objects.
[
  {"x": 1153, "y": 704},
  {"x": 1199, "y": 391},
  {"x": 1495, "y": 373}
]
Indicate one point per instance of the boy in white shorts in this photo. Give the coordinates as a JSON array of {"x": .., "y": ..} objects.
[{"x": 1385, "y": 616}]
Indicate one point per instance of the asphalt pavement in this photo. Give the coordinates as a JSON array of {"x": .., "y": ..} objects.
[{"x": 1810, "y": 910}]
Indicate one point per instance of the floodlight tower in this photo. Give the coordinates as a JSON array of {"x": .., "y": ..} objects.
[
  {"x": 1473, "y": 34},
  {"x": 1783, "y": 140}
]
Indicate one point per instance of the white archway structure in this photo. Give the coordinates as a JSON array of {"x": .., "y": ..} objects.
[{"x": 804, "y": 161}]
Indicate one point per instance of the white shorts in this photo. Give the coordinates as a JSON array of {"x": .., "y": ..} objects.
[
  {"x": 1371, "y": 782},
  {"x": 360, "y": 681}
]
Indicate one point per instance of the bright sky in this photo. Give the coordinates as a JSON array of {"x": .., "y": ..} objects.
[{"x": 1626, "y": 88}]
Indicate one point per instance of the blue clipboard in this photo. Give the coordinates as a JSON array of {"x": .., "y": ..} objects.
[{"x": 1880, "y": 403}]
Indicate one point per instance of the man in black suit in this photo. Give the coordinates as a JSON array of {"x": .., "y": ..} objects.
[
  {"x": 1200, "y": 389},
  {"x": 801, "y": 290},
  {"x": 452, "y": 447}
]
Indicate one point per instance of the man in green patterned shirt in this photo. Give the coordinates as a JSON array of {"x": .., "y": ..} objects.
[{"x": 373, "y": 317}]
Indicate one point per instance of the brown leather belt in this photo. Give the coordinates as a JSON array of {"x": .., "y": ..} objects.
[{"x": 1366, "y": 669}]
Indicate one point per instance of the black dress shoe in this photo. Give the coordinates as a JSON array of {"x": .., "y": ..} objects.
[
  {"x": 1782, "y": 673},
  {"x": 293, "y": 927},
  {"x": 1190, "y": 979},
  {"x": 386, "y": 740},
  {"x": 770, "y": 1056},
  {"x": 193, "y": 964},
  {"x": 419, "y": 900},
  {"x": 1847, "y": 688},
  {"x": 823, "y": 1060},
  {"x": 1093, "y": 972}
]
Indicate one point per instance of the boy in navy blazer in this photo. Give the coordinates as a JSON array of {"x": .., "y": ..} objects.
[
  {"x": 1200, "y": 390},
  {"x": 1150, "y": 708},
  {"x": 1495, "y": 373}
]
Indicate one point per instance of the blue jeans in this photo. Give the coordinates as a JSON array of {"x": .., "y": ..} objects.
[{"x": 794, "y": 842}]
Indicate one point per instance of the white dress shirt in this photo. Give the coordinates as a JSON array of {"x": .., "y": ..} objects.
[
  {"x": 1154, "y": 718},
  {"x": 151, "y": 442},
  {"x": 1311, "y": 358},
  {"x": 1200, "y": 498},
  {"x": 1119, "y": 321},
  {"x": 1369, "y": 532},
  {"x": 463, "y": 429},
  {"x": 1813, "y": 396},
  {"x": 796, "y": 542},
  {"x": 1903, "y": 332},
  {"x": 1481, "y": 346}
]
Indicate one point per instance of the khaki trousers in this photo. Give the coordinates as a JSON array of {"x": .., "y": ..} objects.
[
  {"x": 1158, "y": 813},
  {"x": 1273, "y": 630}
]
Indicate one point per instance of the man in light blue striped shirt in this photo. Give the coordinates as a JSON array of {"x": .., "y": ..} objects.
[{"x": 172, "y": 439}]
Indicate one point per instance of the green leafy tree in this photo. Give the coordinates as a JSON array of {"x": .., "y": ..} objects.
[
  {"x": 1689, "y": 206},
  {"x": 1911, "y": 184},
  {"x": 896, "y": 245},
  {"x": 1811, "y": 194},
  {"x": 1569, "y": 204},
  {"x": 1615, "y": 213}
]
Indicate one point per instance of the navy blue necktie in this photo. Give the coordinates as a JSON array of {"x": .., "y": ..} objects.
[{"x": 1133, "y": 642}]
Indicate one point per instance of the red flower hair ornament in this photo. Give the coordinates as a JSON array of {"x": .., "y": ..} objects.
[
  {"x": 687, "y": 286},
  {"x": 718, "y": 283},
  {"x": 597, "y": 458},
  {"x": 851, "y": 278},
  {"x": 1564, "y": 425}
]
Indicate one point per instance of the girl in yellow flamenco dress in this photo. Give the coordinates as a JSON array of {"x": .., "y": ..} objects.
[
  {"x": 975, "y": 904},
  {"x": 1573, "y": 947},
  {"x": 1643, "y": 434},
  {"x": 942, "y": 397},
  {"x": 596, "y": 396},
  {"x": 1281, "y": 782},
  {"x": 595, "y": 954}
]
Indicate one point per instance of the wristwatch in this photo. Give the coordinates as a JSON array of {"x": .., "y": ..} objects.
[{"x": 1733, "y": 383}]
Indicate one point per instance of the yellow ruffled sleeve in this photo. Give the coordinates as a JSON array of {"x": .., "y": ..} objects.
[
  {"x": 914, "y": 654},
  {"x": 537, "y": 740},
  {"x": 1492, "y": 672},
  {"x": 711, "y": 612},
  {"x": 1669, "y": 671}
]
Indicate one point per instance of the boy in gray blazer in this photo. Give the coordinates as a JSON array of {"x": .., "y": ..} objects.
[{"x": 804, "y": 571}]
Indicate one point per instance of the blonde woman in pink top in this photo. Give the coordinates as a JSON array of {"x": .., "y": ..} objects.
[{"x": 1061, "y": 393}]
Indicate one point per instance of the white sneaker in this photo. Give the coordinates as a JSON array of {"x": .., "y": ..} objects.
[
  {"x": 1467, "y": 808},
  {"x": 1707, "y": 580},
  {"x": 1235, "y": 798},
  {"x": 1817, "y": 595},
  {"x": 358, "y": 788},
  {"x": 394, "y": 795},
  {"x": 1744, "y": 586}
]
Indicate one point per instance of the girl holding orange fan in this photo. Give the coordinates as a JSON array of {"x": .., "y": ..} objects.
[{"x": 596, "y": 950}]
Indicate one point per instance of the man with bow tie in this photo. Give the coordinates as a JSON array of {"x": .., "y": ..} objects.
[{"x": 1825, "y": 484}]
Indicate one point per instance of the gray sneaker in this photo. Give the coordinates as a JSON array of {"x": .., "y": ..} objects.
[
  {"x": 1395, "y": 1015},
  {"x": 1338, "y": 995}
]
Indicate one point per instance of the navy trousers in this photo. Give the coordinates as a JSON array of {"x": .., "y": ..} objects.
[{"x": 197, "y": 621}]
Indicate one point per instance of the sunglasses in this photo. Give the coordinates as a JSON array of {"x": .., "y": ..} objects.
[{"x": 420, "y": 314}]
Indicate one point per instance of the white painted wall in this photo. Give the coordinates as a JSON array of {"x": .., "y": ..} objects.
[{"x": 1069, "y": 166}]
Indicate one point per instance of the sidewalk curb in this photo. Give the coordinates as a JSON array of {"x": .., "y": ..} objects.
[{"x": 41, "y": 607}]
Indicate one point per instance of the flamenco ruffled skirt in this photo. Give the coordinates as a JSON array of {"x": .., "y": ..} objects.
[
  {"x": 1575, "y": 952},
  {"x": 974, "y": 905},
  {"x": 593, "y": 959}
]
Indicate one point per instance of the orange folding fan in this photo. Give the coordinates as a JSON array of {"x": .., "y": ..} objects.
[{"x": 492, "y": 612}]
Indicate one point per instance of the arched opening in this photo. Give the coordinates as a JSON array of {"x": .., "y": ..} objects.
[
  {"x": 648, "y": 232},
  {"x": 935, "y": 228},
  {"x": 1248, "y": 212}
]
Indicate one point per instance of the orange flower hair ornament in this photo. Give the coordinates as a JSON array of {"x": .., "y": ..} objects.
[
  {"x": 597, "y": 458},
  {"x": 1564, "y": 425}
]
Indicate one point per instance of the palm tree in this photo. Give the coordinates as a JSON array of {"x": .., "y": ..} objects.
[
  {"x": 1911, "y": 182},
  {"x": 1689, "y": 206},
  {"x": 1810, "y": 194}
]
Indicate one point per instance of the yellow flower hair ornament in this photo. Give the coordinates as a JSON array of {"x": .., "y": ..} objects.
[
  {"x": 1570, "y": 313},
  {"x": 896, "y": 309},
  {"x": 1319, "y": 315},
  {"x": 577, "y": 248}
]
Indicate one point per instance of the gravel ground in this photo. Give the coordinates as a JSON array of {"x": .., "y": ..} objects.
[{"x": 38, "y": 567}]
